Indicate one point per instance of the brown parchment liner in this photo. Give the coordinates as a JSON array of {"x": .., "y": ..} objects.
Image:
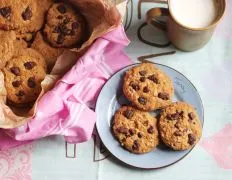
[{"x": 102, "y": 16}]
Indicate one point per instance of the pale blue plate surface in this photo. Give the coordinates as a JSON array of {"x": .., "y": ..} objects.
[{"x": 111, "y": 98}]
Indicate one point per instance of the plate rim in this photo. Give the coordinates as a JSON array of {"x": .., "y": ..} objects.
[{"x": 137, "y": 167}]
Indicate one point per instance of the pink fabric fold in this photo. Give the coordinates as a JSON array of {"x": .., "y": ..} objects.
[{"x": 67, "y": 109}]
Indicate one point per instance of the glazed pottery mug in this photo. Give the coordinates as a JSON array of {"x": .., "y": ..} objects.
[{"x": 190, "y": 23}]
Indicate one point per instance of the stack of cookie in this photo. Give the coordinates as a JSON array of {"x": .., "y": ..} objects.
[
  {"x": 34, "y": 33},
  {"x": 150, "y": 89}
]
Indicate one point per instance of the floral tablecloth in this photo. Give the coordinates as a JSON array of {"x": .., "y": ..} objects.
[{"x": 209, "y": 69}]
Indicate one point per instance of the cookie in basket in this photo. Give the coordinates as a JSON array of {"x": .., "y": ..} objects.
[
  {"x": 23, "y": 76},
  {"x": 23, "y": 16},
  {"x": 65, "y": 26},
  {"x": 135, "y": 130},
  {"x": 147, "y": 87},
  {"x": 48, "y": 52},
  {"x": 179, "y": 126}
]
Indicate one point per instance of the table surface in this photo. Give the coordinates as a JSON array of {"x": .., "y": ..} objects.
[{"x": 209, "y": 69}]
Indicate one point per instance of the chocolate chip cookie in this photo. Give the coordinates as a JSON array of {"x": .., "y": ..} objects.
[
  {"x": 65, "y": 26},
  {"x": 135, "y": 130},
  {"x": 23, "y": 76},
  {"x": 179, "y": 126},
  {"x": 23, "y": 16},
  {"x": 49, "y": 53},
  {"x": 147, "y": 87}
]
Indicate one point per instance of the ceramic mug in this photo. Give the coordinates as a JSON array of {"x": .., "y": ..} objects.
[{"x": 182, "y": 36}]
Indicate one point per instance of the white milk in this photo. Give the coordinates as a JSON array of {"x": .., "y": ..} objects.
[{"x": 194, "y": 13}]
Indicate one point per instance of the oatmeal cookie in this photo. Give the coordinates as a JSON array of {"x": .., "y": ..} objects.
[
  {"x": 147, "y": 87},
  {"x": 65, "y": 26},
  {"x": 135, "y": 130},
  {"x": 179, "y": 126},
  {"x": 23, "y": 76}
]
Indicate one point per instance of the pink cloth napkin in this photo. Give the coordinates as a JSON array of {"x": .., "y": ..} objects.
[{"x": 65, "y": 110}]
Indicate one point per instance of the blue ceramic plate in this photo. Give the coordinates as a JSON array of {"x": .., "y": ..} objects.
[{"x": 111, "y": 98}]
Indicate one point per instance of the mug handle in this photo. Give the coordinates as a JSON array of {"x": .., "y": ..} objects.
[
  {"x": 152, "y": 18},
  {"x": 145, "y": 1}
]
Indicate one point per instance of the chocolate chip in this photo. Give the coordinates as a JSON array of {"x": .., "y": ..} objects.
[
  {"x": 20, "y": 93},
  {"x": 29, "y": 65},
  {"x": 153, "y": 78},
  {"x": 177, "y": 133},
  {"x": 145, "y": 89},
  {"x": 27, "y": 14},
  {"x": 123, "y": 139},
  {"x": 181, "y": 114},
  {"x": 128, "y": 114},
  {"x": 142, "y": 79},
  {"x": 191, "y": 139},
  {"x": 122, "y": 130},
  {"x": 132, "y": 132},
  {"x": 164, "y": 96},
  {"x": 142, "y": 100},
  {"x": 59, "y": 17},
  {"x": 140, "y": 135},
  {"x": 31, "y": 82},
  {"x": 136, "y": 124},
  {"x": 135, "y": 86},
  {"x": 177, "y": 125},
  {"x": 75, "y": 25},
  {"x": 135, "y": 145},
  {"x": 61, "y": 8},
  {"x": 16, "y": 83},
  {"x": 15, "y": 71},
  {"x": 61, "y": 29},
  {"x": 150, "y": 130},
  {"x": 174, "y": 116},
  {"x": 5, "y": 11},
  {"x": 191, "y": 116},
  {"x": 60, "y": 39},
  {"x": 142, "y": 73},
  {"x": 146, "y": 123}
]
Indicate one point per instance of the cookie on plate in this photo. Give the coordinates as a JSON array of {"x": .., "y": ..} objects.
[
  {"x": 7, "y": 39},
  {"x": 147, "y": 87},
  {"x": 23, "y": 76},
  {"x": 179, "y": 126},
  {"x": 65, "y": 26},
  {"x": 135, "y": 130},
  {"x": 48, "y": 52}
]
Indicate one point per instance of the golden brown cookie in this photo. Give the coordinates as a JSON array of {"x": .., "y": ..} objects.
[
  {"x": 24, "y": 15},
  {"x": 65, "y": 26},
  {"x": 48, "y": 52},
  {"x": 23, "y": 76},
  {"x": 7, "y": 39},
  {"x": 179, "y": 126},
  {"x": 147, "y": 87},
  {"x": 135, "y": 130}
]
